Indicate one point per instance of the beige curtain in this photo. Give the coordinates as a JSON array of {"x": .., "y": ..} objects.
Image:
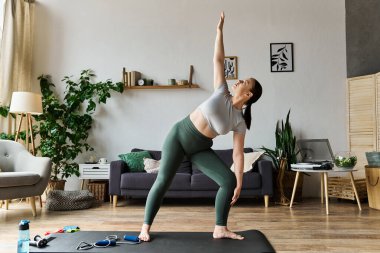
[{"x": 16, "y": 51}]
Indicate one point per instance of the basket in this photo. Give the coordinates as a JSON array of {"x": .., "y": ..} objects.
[
  {"x": 373, "y": 186},
  {"x": 341, "y": 187},
  {"x": 98, "y": 189}
]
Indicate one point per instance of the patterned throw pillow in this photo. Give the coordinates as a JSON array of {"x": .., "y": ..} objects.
[
  {"x": 151, "y": 165},
  {"x": 135, "y": 161},
  {"x": 249, "y": 160}
]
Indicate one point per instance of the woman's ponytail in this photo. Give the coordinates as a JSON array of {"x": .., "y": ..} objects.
[
  {"x": 257, "y": 90},
  {"x": 247, "y": 116}
]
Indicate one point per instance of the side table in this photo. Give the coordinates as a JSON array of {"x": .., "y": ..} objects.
[
  {"x": 324, "y": 184},
  {"x": 94, "y": 171}
]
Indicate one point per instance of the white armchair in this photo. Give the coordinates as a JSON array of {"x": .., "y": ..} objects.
[{"x": 23, "y": 175}]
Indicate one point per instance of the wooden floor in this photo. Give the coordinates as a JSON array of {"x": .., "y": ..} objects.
[{"x": 305, "y": 228}]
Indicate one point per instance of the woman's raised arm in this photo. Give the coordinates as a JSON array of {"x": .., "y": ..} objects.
[{"x": 219, "y": 77}]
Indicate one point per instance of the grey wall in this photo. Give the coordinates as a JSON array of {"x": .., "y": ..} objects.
[
  {"x": 162, "y": 38},
  {"x": 363, "y": 37}
]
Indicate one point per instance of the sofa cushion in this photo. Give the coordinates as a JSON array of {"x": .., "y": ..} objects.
[
  {"x": 144, "y": 181},
  {"x": 185, "y": 166},
  {"x": 9, "y": 179},
  {"x": 151, "y": 165},
  {"x": 201, "y": 182},
  {"x": 250, "y": 160},
  {"x": 225, "y": 155},
  {"x": 135, "y": 160}
]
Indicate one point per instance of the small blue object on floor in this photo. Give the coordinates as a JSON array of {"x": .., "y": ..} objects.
[
  {"x": 132, "y": 238},
  {"x": 161, "y": 242}
]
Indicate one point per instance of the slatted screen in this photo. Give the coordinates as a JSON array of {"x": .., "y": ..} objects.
[{"x": 362, "y": 118}]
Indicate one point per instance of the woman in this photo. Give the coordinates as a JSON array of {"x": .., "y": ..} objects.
[{"x": 219, "y": 114}]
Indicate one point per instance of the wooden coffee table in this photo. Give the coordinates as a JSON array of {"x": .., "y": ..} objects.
[{"x": 324, "y": 184}]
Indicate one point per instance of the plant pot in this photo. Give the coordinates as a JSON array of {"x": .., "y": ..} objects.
[
  {"x": 287, "y": 187},
  {"x": 288, "y": 184},
  {"x": 56, "y": 185}
]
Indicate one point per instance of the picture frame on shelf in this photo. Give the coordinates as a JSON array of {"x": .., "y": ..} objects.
[
  {"x": 231, "y": 67},
  {"x": 281, "y": 57}
]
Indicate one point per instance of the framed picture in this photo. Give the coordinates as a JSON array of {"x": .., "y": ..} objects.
[
  {"x": 230, "y": 67},
  {"x": 281, "y": 57}
]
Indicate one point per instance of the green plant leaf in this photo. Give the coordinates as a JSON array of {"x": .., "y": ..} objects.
[{"x": 285, "y": 143}]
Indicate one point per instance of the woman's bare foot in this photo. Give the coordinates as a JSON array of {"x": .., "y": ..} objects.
[
  {"x": 144, "y": 234},
  {"x": 223, "y": 232}
]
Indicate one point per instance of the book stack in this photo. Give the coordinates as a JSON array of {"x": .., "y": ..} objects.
[{"x": 130, "y": 78}]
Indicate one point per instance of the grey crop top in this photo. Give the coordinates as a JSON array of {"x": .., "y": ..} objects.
[{"x": 221, "y": 116}]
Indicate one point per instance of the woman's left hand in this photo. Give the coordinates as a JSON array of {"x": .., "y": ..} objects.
[
  {"x": 236, "y": 195},
  {"x": 221, "y": 21}
]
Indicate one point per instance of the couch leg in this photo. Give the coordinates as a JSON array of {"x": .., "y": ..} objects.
[
  {"x": 114, "y": 200},
  {"x": 266, "y": 200},
  {"x": 33, "y": 205}
]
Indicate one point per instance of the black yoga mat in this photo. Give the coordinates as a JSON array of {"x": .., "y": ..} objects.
[{"x": 162, "y": 242}]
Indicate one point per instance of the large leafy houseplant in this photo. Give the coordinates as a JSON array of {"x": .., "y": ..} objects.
[
  {"x": 64, "y": 126},
  {"x": 285, "y": 144}
]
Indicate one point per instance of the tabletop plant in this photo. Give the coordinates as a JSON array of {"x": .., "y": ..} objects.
[{"x": 64, "y": 126}]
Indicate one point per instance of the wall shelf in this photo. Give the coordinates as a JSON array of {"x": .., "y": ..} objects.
[
  {"x": 157, "y": 87},
  {"x": 134, "y": 76}
]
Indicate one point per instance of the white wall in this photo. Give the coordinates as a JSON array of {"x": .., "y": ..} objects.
[{"x": 162, "y": 38}]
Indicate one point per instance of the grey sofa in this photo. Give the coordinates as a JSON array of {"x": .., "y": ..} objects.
[
  {"x": 189, "y": 182},
  {"x": 23, "y": 175}
]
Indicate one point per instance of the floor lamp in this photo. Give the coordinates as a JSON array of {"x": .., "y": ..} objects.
[{"x": 26, "y": 104}]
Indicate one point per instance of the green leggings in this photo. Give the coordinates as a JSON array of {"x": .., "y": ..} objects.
[{"x": 184, "y": 139}]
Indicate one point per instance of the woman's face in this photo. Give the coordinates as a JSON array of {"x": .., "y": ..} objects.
[{"x": 243, "y": 86}]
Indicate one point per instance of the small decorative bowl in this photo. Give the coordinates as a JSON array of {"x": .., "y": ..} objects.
[{"x": 345, "y": 160}]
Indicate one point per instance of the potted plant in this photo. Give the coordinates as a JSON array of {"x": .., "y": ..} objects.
[
  {"x": 283, "y": 155},
  {"x": 64, "y": 126}
]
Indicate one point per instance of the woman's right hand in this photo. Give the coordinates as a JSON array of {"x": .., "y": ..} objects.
[{"x": 221, "y": 21}]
